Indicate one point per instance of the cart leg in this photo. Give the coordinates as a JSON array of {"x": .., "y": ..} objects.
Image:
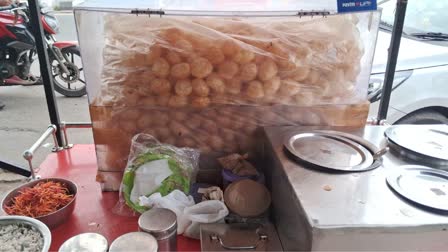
[{"x": 394, "y": 47}]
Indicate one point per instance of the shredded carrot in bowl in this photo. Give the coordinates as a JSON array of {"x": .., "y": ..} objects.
[{"x": 39, "y": 200}]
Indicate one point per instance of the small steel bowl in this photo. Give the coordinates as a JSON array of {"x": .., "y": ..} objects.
[
  {"x": 14, "y": 219},
  {"x": 56, "y": 218}
]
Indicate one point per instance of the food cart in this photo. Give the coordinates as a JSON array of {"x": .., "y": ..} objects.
[{"x": 284, "y": 82}]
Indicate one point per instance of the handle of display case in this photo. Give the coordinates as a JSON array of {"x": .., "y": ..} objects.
[
  {"x": 73, "y": 125},
  {"x": 313, "y": 13},
  {"x": 29, "y": 153},
  {"x": 300, "y": 13},
  {"x": 261, "y": 238}
]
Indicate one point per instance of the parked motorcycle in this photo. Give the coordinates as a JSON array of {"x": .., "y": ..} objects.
[{"x": 18, "y": 52}]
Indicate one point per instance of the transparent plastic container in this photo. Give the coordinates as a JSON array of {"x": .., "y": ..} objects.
[{"x": 208, "y": 74}]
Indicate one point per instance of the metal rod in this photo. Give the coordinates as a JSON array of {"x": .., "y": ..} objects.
[
  {"x": 55, "y": 139},
  {"x": 29, "y": 154},
  {"x": 65, "y": 145},
  {"x": 78, "y": 125},
  {"x": 30, "y": 164},
  {"x": 73, "y": 125},
  {"x": 41, "y": 139},
  {"x": 15, "y": 169},
  {"x": 45, "y": 71},
  {"x": 394, "y": 48}
]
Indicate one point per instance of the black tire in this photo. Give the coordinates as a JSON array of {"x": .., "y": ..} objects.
[
  {"x": 424, "y": 117},
  {"x": 65, "y": 89}
]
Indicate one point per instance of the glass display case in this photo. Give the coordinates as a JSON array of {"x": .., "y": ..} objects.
[{"x": 207, "y": 74}]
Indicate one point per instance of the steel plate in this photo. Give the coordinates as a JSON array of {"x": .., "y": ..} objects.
[
  {"x": 330, "y": 151},
  {"x": 86, "y": 242},
  {"x": 422, "y": 185},
  {"x": 416, "y": 141}
]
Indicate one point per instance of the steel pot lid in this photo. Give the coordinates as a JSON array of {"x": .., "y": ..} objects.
[
  {"x": 430, "y": 142},
  {"x": 134, "y": 241},
  {"x": 422, "y": 185},
  {"x": 329, "y": 150},
  {"x": 160, "y": 222},
  {"x": 85, "y": 242}
]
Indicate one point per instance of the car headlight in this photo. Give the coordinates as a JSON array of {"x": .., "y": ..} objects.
[
  {"x": 52, "y": 22},
  {"x": 376, "y": 84}
]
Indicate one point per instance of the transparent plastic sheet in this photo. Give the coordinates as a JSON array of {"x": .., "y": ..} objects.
[
  {"x": 154, "y": 167},
  {"x": 222, "y": 129},
  {"x": 211, "y": 82},
  {"x": 205, "y": 61},
  {"x": 226, "y": 129}
]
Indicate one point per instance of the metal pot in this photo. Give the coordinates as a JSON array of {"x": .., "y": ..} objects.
[
  {"x": 46, "y": 234},
  {"x": 56, "y": 218},
  {"x": 162, "y": 224}
]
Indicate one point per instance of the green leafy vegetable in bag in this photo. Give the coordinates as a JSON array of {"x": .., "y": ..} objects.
[{"x": 179, "y": 179}]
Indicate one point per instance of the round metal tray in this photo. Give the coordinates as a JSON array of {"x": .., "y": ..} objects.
[
  {"x": 86, "y": 242},
  {"x": 429, "y": 146},
  {"x": 333, "y": 150},
  {"x": 422, "y": 185}
]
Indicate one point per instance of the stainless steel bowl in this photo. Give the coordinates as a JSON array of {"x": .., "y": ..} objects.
[
  {"x": 14, "y": 219},
  {"x": 53, "y": 219}
]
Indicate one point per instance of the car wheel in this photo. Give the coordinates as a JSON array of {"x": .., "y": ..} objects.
[{"x": 424, "y": 117}]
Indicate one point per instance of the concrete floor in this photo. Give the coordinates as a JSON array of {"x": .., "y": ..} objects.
[{"x": 25, "y": 117}]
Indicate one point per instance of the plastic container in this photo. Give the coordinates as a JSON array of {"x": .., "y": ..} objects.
[
  {"x": 228, "y": 177},
  {"x": 162, "y": 224},
  {"x": 252, "y": 64}
]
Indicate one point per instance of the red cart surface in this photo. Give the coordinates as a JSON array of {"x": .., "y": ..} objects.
[{"x": 93, "y": 211}]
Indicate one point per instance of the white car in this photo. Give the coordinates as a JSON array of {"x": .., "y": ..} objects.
[{"x": 420, "y": 88}]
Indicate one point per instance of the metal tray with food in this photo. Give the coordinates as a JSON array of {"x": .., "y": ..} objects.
[
  {"x": 50, "y": 200},
  {"x": 20, "y": 233}
]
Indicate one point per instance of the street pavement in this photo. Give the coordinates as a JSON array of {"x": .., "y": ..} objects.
[{"x": 25, "y": 116}]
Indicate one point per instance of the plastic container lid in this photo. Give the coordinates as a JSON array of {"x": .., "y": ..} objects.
[
  {"x": 160, "y": 222},
  {"x": 85, "y": 242},
  {"x": 135, "y": 241},
  {"x": 231, "y": 177}
]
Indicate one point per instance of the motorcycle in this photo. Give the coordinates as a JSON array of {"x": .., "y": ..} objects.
[{"x": 18, "y": 52}]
